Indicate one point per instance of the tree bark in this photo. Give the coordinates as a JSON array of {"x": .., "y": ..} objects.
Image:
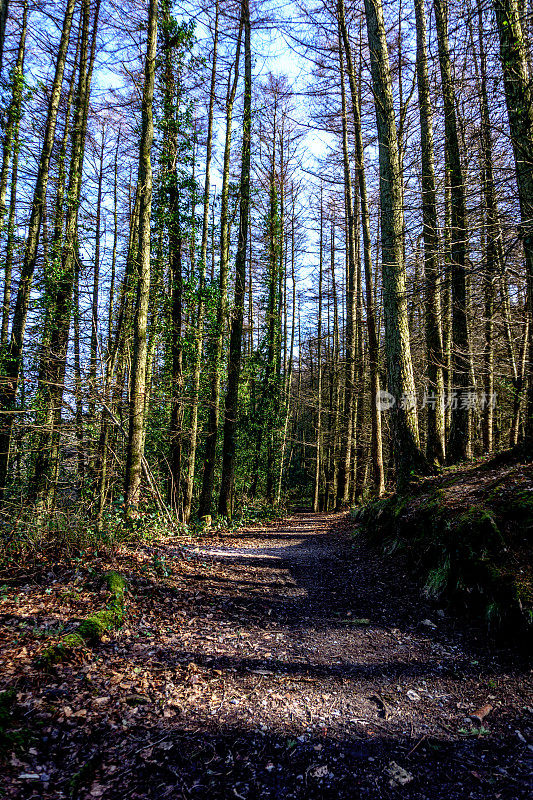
[
  {"x": 459, "y": 442},
  {"x": 406, "y": 443},
  {"x": 189, "y": 483},
  {"x": 234, "y": 366},
  {"x": 435, "y": 444},
  {"x": 519, "y": 99},
  {"x": 346, "y": 455},
  {"x": 140, "y": 350},
  {"x": 11, "y": 146},
  {"x": 208, "y": 477}
]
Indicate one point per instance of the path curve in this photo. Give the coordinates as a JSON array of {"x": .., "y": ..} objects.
[{"x": 342, "y": 651}]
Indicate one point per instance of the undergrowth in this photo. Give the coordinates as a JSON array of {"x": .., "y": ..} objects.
[
  {"x": 470, "y": 551},
  {"x": 70, "y": 534}
]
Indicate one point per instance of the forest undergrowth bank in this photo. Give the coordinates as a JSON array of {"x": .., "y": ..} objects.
[{"x": 467, "y": 535}]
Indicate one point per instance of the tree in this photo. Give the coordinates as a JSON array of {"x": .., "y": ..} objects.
[
  {"x": 519, "y": 100},
  {"x": 234, "y": 366},
  {"x": 459, "y": 443},
  {"x": 135, "y": 451},
  {"x": 435, "y": 356},
  {"x": 400, "y": 380}
]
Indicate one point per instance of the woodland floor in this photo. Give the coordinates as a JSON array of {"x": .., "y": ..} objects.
[{"x": 287, "y": 661}]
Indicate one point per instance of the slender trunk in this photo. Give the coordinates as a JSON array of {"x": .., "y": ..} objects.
[
  {"x": 140, "y": 351},
  {"x": 234, "y": 364},
  {"x": 343, "y": 486},
  {"x": 288, "y": 381},
  {"x": 406, "y": 443},
  {"x": 189, "y": 485},
  {"x": 519, "y": 98},
  {"x": 96, "y": 285},
  {"x": 77, "y": 379},
  {"x": 46, "y": 469},
  {"x": 373, "y": 344},
  {"x": 114, "y": 349},
  {"x": 318, "y": 462},
  {"x": 435, "y": 450},
  {"x": 13, "y": 115},
  {"x": 459, "y": 442},
  {"x": 4, "y": 9},
  {"x": 208, "y": 478},
  {"x": 11, "y": 150}
]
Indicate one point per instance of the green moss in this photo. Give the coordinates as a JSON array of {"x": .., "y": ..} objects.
[
  {"x": 61, "y": 650},
  {"x": 437, "y": 579},
  {"x": 92, "y": 628},
  {"x": 116, "y": 583},
  {"x": 458, "y": 554},
  {"x": 479, "y": 527}
]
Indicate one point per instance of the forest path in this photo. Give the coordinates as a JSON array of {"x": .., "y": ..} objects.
[
  {"x": 282, "y": 661},
  {"x": 341, "y": 680}
]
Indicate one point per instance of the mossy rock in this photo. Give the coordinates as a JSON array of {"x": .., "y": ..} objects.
[
  {"x": 116, "y": 583},
  {"x": 91, "y": 629},
  {"x": 94, "y": 627}
]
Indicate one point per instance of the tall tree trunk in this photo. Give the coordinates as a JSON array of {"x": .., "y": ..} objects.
[
  {"x": 459, "y": 442},
  {"x": 78, "y": 398},
  {"x": 271, "y": 385},
  {"x": 140, "y": 350},
  {"x": 406, "y": 443},
  {"x": 13, "y": 115},
  {"x": 114, "y": 350},
  {"x": 234, "y": 366},
  {"x": 208, "y": 477},
  {"x": 93, "y": 364},
  {"x": 343, "y": 485},
  {"x": 318, "y": 461},
  {"x": 519, "y": 98},
  {"x": 46, "y": 469},
  {"x": 288, "y": 380},
  {"x": 373, "y": 344},
  {"x": 4, "y": 9},
  {"x": 493, "y": 239},
  {"x": 189, "y": 484},
  {"x": 11, "y": 147},
  {"x": 435, "y": 447}
]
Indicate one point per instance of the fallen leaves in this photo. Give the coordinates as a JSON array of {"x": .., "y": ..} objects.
[{"x": 482, "y": 712}]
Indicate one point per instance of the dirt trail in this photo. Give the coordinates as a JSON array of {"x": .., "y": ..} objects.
[{"x": 289, "y": 662}]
